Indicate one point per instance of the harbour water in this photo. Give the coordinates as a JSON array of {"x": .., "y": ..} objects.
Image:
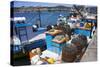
[{"x": 45, "y": 17}]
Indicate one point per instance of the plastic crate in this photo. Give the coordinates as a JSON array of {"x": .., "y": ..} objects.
[{"x": 49, "y": 41}]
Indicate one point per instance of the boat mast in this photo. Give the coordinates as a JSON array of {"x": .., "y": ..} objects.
[{"x": 39, "y": 17}]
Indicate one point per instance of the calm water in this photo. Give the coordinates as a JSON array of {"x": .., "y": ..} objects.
[{"x": 47, "y": 18}]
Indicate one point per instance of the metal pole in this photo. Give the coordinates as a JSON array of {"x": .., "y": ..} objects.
[{"x": 39, "y": 16}]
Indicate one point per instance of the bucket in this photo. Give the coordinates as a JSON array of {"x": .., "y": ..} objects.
[{"x": 81, "y": 24}]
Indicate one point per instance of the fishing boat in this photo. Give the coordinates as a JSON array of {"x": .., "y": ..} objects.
[{"x": 52, "y": 37}]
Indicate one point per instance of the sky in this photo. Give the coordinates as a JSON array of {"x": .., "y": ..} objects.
[{"x": 34, "y": 4}]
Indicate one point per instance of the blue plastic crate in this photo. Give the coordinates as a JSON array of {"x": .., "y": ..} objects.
[
  {"x": 82, "y": 32},
  {"x": 57, "y": 48},
  {"x": 36, "y": 44},
  {"x": 49, "y": 41}
]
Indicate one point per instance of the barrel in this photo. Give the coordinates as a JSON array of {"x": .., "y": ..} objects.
[
  {"x": 80, "y": 41},
  {"x": 72, "y": 50},
  {"x": 69, "y": 53}
]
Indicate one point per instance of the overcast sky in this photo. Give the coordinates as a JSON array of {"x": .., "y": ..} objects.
[{"x": 34, "y": 4}]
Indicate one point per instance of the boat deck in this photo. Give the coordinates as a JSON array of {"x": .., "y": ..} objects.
[{"x": 90, "y": 54}]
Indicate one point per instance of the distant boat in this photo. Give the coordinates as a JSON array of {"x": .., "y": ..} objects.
[{"x": 15, "y": 19}]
